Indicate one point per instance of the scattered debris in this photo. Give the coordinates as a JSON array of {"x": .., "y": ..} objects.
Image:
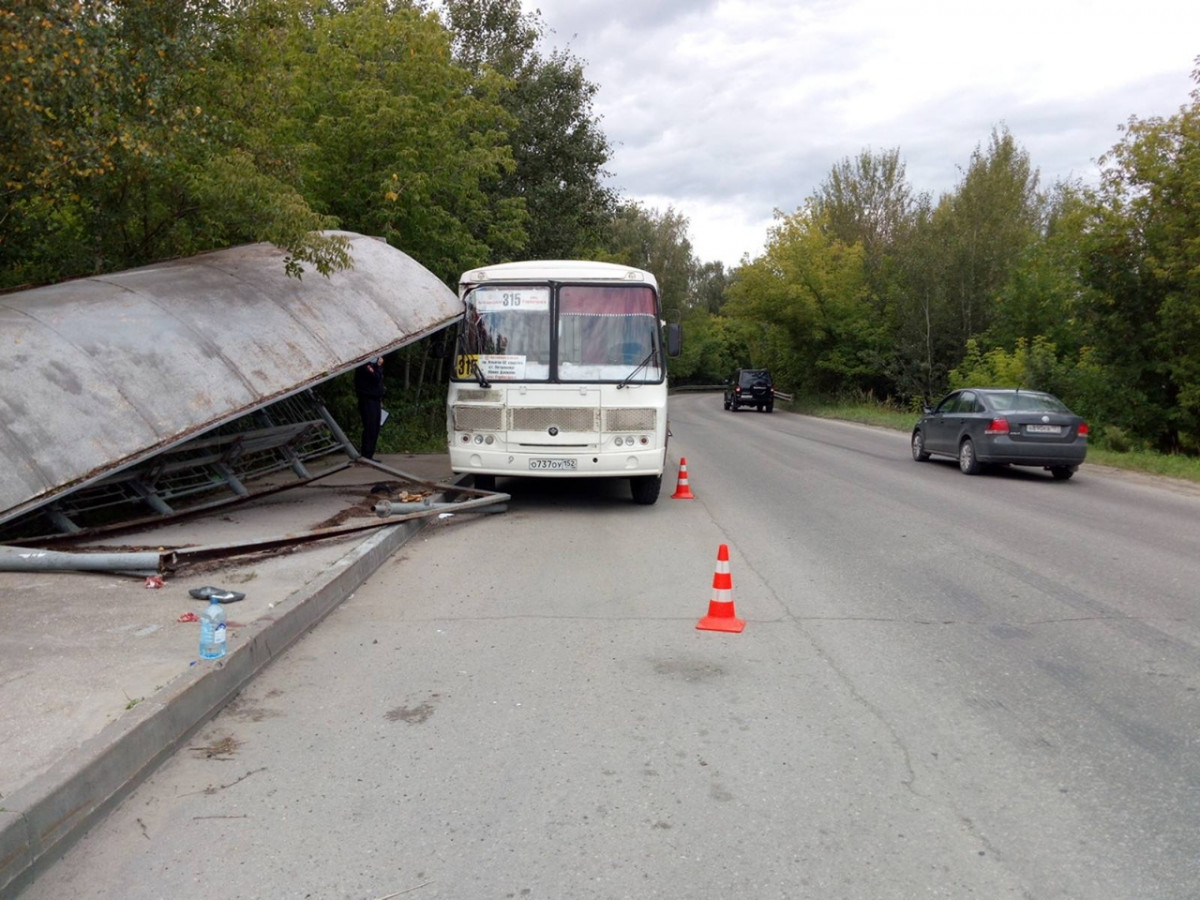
[
  {"x": 221, "y": 595},
  {"x": 212, "y": 789},
  {"x": 223, "y": 748},
  {"x": 394, "y": 491}
]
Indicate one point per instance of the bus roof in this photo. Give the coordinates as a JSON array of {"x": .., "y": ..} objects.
[{"x": 558, "y": 270}]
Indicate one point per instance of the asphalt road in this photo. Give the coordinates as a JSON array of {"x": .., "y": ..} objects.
[{"x": 947, "y": 687}]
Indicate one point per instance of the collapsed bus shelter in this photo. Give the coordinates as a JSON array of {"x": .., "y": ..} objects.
[{"x": 143, "y": 392}]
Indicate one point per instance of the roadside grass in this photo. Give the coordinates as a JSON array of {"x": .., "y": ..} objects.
[{"x": 889, "y": 416}]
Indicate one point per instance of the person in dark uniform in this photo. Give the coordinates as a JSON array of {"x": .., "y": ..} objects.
[{"x": 368, "y": 384}]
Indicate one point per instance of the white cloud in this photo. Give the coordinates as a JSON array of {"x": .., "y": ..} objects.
[{"x": 728, "y": 109}]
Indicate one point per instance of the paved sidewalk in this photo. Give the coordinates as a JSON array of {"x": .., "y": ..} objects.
[{"x": 100, "y": 681}]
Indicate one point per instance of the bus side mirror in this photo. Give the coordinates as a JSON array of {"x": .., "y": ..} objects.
[{"x": 674, "y": 339}]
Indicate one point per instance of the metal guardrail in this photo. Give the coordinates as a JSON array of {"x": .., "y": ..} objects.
[{"x": 704, "y": 388}]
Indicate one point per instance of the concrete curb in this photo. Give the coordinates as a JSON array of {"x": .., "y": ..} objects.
[{"x": 40, "y": 821}]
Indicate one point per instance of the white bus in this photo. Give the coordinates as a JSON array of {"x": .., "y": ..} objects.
[{"x": 560, "y": 371}]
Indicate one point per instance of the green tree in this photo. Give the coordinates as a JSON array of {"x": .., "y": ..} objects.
[
  {"x": 868, "y": 200},
  {"x": 1034, "y": 365},
  {"x": 986, "y": 224},
  {"x": 1037, "y": 314},
  {"x": 809, "y": 293},
  {"x": 1043, "y": 292},
  {"x": 951, "y": 262},
  {"x": 923, "y": 327},
  {"x": 1142, "y": 256},
  {"x": 709, "y": 283},
  {"x": 559, "y": 149},
  {"x": 111, "y": 154},
  {"x": 397, "y": 141}
]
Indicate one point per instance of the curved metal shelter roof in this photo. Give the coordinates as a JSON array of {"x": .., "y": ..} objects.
[{"x": 101, "y": 373}]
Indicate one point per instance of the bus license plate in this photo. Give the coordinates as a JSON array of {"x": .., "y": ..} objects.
[{"x": 559, "y": 464}]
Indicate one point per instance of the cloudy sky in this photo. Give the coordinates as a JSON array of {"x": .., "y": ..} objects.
[{"x": 726, "y": 110}]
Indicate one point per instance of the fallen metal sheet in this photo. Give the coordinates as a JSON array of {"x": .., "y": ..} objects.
[{"x": 101, "y": 373}]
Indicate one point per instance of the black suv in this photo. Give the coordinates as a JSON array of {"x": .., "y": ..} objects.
[{"x": 750, "y": 387}]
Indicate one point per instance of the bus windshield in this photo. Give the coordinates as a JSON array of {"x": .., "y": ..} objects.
[{"x": 585, "y": 333}]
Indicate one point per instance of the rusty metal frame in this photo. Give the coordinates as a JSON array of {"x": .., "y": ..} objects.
[{"x": 215, "y": 469}]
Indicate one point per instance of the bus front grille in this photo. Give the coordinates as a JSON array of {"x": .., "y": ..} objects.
[
  {"x": 629, "y": 420},
  {"x": 478, "y": 418},
  {"x": 566, "y": 418}
]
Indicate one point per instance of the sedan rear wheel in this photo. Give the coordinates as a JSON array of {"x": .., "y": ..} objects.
[
  {"x": 918, "y": 447},
  {"x": 1062, "y": 473},
  {"x": 967, "y": 461}
]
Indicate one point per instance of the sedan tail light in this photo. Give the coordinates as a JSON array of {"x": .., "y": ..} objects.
[
  {"x": 998, "y": 425},
  {"x": 1083, "y": 429}
]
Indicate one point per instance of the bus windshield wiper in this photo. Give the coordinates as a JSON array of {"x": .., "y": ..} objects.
[
  {"x": 479, "y": 376},
  {"x": 628, "y": 378}
]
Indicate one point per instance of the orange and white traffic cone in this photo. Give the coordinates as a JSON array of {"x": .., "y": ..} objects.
[
  {"x": 721, "y": 615},
  {"x": 682, "y": 491}
]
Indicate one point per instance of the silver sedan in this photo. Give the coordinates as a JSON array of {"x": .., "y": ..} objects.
[{"x": 1001, "y": 426}]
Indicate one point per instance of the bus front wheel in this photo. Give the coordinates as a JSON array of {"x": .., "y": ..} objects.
[{"x": 645, "y": 488}]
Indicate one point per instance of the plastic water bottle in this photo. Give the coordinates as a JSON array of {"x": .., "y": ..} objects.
[{"x": 212, "y": 631}]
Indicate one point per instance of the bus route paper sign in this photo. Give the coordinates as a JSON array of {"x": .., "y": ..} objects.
[
  {"x": 503, "y": 368},
  {"x": 523, "y": 299}
]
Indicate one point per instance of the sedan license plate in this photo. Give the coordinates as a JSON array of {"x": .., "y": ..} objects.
[
  {"x": 1043, "y": 429},
  {"x": 552, "y": 463}
]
